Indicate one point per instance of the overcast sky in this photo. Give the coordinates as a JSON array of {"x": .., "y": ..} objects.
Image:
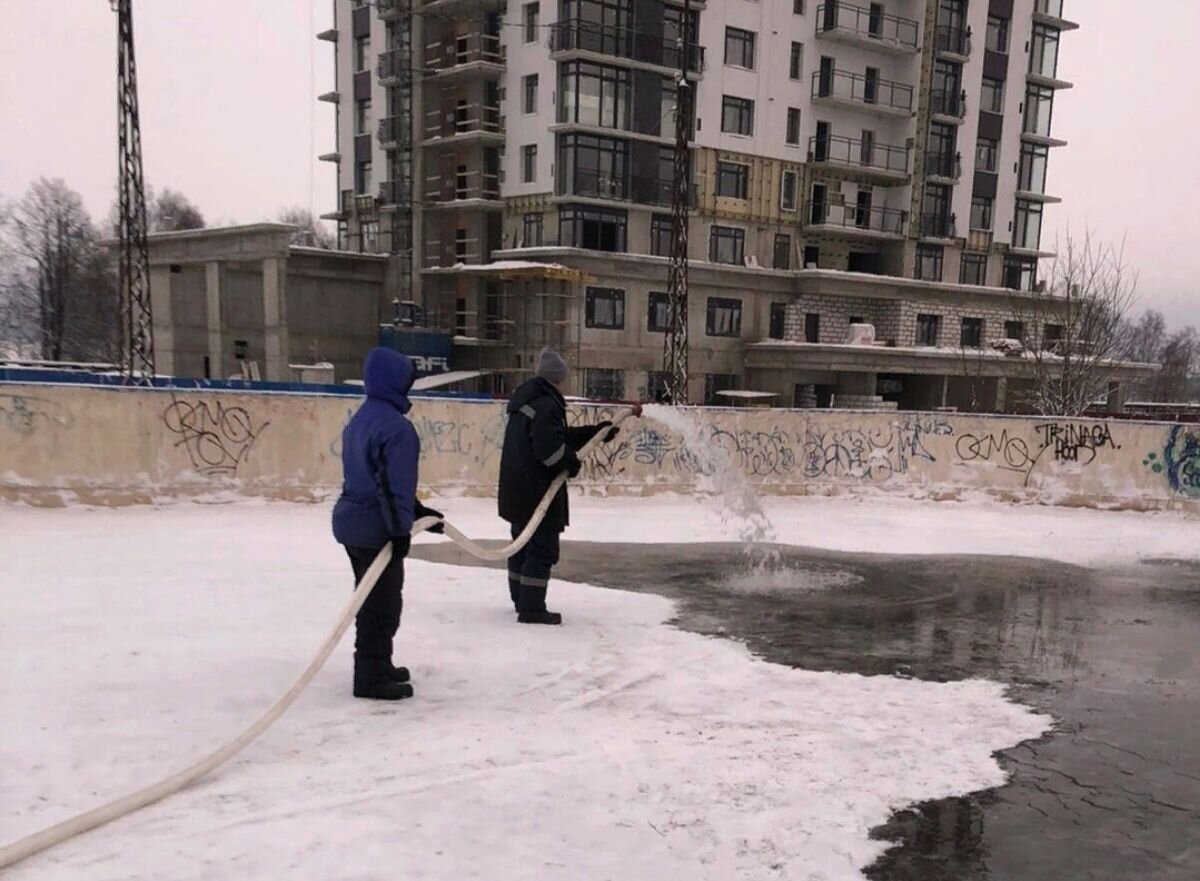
[{"x": 229, "y": 117}]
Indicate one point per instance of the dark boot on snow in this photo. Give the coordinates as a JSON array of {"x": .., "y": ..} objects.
[
  {"x": 398, "y": 674},
  {"x": 542, "y": 617},
  {"x": 373, "y": 679}
]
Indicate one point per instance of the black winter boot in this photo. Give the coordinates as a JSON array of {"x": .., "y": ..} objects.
[
  {"x": 542, "y": 617},
  {"x": 373, "y": 679},
  {"x": 398, "y": 674},
  {"x": 514, "y": 592}
]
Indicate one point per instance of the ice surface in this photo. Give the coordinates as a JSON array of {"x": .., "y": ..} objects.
[{"x": 615, "y": 747}]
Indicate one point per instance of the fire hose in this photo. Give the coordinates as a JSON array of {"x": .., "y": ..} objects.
[{"x": 85, "y": 822}]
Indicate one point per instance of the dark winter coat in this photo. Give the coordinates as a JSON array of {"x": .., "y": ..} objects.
[
  {"x": 538, "y": 445},
  {"x": 380, "y": 449}
]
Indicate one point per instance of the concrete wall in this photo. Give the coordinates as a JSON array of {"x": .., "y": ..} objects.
[{"x": 118, "y": 446}]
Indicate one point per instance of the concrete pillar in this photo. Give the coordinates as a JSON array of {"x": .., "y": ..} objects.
[
  {"x": 945, "y": 390},
  {"x": 1116, "y": 397},
  {"x": 1001, "y": 394},
  {"x": 212, "y": 277},
  {"x": 275, "y": 326},
  {"x": 163, "y": 324}
]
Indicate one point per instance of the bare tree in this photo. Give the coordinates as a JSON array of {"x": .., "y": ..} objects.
[
  {"x": 1180, "y": 359},
  {"x": 312, "y": 232},
  {"x": 171, "y": 211},
  {"x": 58, "y": 282},
  {"x": 1078, "y": 339},
  {"x": 1146, "y": 337}
]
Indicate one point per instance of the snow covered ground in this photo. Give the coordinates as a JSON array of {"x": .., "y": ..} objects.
[{"x": 133, "y": 640}]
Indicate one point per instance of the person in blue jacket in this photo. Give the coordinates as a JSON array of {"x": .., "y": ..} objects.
[{"x": 378, "y": 504}]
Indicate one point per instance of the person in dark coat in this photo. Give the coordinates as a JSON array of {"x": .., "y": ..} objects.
[
  {"x": 538, "y": 446},
  {"x": 378, "y": 505}
]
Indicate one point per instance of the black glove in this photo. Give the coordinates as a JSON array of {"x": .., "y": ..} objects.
[
  {"x": 574, "y": 467},
  {"x": 401, "y": 545},
  {"x": 613, "y": 431},
  {"x": 420, "y": 511}
]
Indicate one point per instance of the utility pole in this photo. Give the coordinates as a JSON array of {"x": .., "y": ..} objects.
[
  {"x": 675, "y": 355},
  {"x": 136, "y": 321}
]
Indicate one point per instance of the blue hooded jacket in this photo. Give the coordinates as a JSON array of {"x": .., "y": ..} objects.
[{"x": 380, "y": 449}]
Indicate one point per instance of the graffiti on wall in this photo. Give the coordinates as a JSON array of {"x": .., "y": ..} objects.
[
  {"x": 1180, "y": 460},
  {"x": 23, "y": 414},
  {"x": 1076, "y": 442},
  {"x": 479, "y": 444},
  {"x": 1069, "y": 442},
  {"x": 216, "y": 438},
  {"x": 875, "y": 453}
]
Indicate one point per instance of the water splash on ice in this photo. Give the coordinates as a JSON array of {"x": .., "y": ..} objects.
[{"x": 721, "y": 478}]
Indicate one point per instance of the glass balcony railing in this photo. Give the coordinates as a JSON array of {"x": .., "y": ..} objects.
[
  {"x": 1052, "y": 8},
  {"x": 955, "y": 41},
  {"x": 937, "y": 226},
  {"x": 638, "y": 189},
  {"x": 869, "y": 24},
  {"x": 854, "y": 87},
  {"x": 864, "y": 218},
  {"x": 944, "y": 165},
  {"x": 946, "y": 102},
  {"x": 618, "y": 42},
  {"x": 835, "y": 150}
]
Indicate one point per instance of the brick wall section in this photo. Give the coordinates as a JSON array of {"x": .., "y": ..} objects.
[{"x": 894, "y": 320}]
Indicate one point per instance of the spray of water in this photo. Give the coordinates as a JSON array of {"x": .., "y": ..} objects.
[{"x": 720, "y": 476}]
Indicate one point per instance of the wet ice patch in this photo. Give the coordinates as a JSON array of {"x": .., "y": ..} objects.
[{"x": 779, "y": 579}]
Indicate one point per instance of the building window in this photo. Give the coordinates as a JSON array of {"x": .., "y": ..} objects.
[
  {"x": 658, "y": 315},
  {"x": 656, "y": 386},
  {"x": 812, "y": 327},
  {"x": 971, "y": 335},
  {"x": 530, "y": 15},
  {"x": 533, "y": 230},
  {"x": 737, "y": 115},
  {"x": 595, "y": 166},
  {"x": 1031, "y": 175},
  {"x": 597, "y": 229},
  {"x": 796, "y": 63},
  {"x": 997, "y": 34},
  {"x": 798, "y": 7},
  {"x": 660, "y": 235},
  {"x": 783, "y": 251},
  {"x": 715, "y": 383},
  {"x": 461, "y": 245},
  {"x": 987, "y": 152},
  {"x": 974, "y": 269},
  {"x": 992, "y": 95},
  {"x": 981, "y": 213},
  {"x": 1014, "y": 330},
  {"x": 793, "y": 126},
  {"x": 927, "y": 329},
  {"x": 727, "y": 245},
  {"x": 1027, "y": 227},
  {"x": 739, "y": 48},
  {"x": 929, "y": 262},
  {"x": 531, "y": 93},
  {"x": 724, "y": 317},
  {"x": 362, "y": 53},
  {"x": 362, "y": 178},
  {"x": 778, "y": 321},
  {"x": 529, "y": 163},
  {"x": 788, "y": 188},
  {"x": 1052, "y": 336},
  {"x": 595, "y": 94},
  {"x": 603, "y": 384},
  {"x": 370, "y": 236},
  {"x": 733, "y": 180},
  {"x": 1020, "y": 273},
  {"x": 1039, "y": 110},
  {"x": 362, "y": 117},
  {"x": 1043, "y": 51},
  {"x": 605, "y": 308}
]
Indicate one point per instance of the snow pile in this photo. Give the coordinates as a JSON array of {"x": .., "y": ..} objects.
[{"x": 615, "y": 747}]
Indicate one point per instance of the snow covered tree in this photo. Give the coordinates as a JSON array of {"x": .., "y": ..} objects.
[{"x": 311, "y": 232}]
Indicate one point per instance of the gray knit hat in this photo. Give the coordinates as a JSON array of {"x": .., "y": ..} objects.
[{"x": 551, "y": 367}]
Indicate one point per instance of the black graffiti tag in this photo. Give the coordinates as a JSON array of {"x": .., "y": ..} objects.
[{"x": 217, "y": 438}]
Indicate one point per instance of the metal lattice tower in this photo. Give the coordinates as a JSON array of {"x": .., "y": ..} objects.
[
  {"x": 136, "y": 319},
  {"x": 675, "y": 355}
]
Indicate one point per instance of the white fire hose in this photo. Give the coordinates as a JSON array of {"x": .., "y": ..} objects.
[{"x": 85, "y": 822}]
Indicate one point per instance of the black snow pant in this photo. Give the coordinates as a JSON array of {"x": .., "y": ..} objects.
[
  {"x": 529, "y": 568},
  {"x": 378, "y": 620}
]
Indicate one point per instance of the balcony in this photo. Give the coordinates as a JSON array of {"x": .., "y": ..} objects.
[
  {"x": 635, "y": 189},
  {"x": 389, "y": 9},
  {"x": 445, "y": 253},
  {"x": 846, "y": 89},
  {"x": 464, "y": 122},
  {"x": 390, "y": 67},
  {"x": 949, "y": 106},
  {"x": 868, "y": 27},
  {"x": 1050, "y": 12},
  {"x": 463, "y": 189},
  {"x": 464, "y": 53},
  {"x": 393, "y": 130},
  {"x": 937, "y": 226},
  {"x": 575, "y": 35},
  {"x": 880, "y": 160},
  {"x": 395, "y": 192},
  {"x": 855, "y": 220},
  {"x": 952, "y": 41},
  {"x": 943, "y": 166}
]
